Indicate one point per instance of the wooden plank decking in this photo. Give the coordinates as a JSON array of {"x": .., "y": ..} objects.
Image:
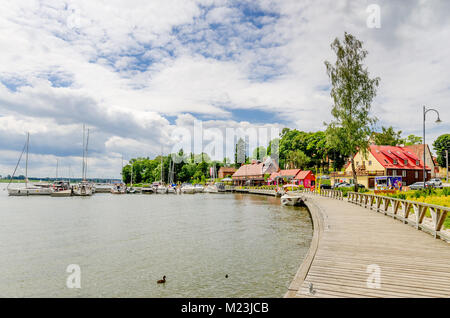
[{"x": 348, "y": 238}]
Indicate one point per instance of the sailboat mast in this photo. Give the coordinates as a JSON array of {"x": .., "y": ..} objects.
[
  {"x": 26, "y": 162},
  {"x": 56, "y": 169},
  {"x": 84, "y": 149},
  {"x": 87, "y": 144},
  {"x": 161, "y": 169}
]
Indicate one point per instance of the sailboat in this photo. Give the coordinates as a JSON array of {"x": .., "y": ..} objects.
[
  {"x": 27, "y": 190},
  {"x": 211, "y": 187},
  {"x": 84, "y": 188},
  {"x": 161, "y": 188},
  {"x": 172, "y": 188},
  {"x": 119, "y": 187},
  {"x": 131, "y": 190},
  {"x": 60, "y": 188}
]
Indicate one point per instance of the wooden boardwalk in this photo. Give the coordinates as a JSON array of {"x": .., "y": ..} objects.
[{"x": 350, "y": 243}]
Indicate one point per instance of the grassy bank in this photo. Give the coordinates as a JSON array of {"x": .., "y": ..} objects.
[{"x": 16, "y": 181}]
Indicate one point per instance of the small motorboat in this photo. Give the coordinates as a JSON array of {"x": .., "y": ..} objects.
[
  {"x": 211, "y": 188},
  {"x": 147, "y": 190},
  {"x": 61, "y": 189},
  {"x": 291, "y": 200},
  {"x": 131, "y": 190},
  {"x": 188, "y": 189},
  {"x": 119, "y": 188}
]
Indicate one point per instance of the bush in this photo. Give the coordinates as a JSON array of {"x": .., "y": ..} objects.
[{"x": 346, "y": 190}]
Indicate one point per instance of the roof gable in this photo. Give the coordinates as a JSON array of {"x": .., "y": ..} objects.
[{"x": 393, "y": 157}]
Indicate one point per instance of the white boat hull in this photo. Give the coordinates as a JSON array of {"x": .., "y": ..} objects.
[
  {"x": 147, "y": 191},
  {"x": 29, "y": 191},
  {"x": 199, "y": 189},
  {"x": 161, "y": 190},
  {"x": 188, "y": 190},
  {"x": 211, "y": 189},
  {"x": 63, "y": 193},
  {"x": 83, "y": 190},
  {"x": 289, "y": 200}
]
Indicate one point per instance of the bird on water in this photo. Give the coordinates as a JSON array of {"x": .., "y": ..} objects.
[{"x": 162, "y": 281}]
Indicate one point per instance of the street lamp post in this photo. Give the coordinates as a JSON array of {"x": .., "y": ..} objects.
[
  {"x": 446, "y": 159},
  {"x": 425, "y": 111}
]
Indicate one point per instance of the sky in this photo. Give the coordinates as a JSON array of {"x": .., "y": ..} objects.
[{"x": 135, "y": 71}]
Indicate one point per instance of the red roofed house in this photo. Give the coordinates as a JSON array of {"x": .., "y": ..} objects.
[
  {"x": 283, "y": 176},
  {"x": 385, "y": 161},
  {"x": 253, "y": 174},
  {"x": 305, "y": 178}
]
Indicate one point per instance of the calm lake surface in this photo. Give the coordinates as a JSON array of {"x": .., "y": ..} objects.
[{"x": 124, "y": 243}]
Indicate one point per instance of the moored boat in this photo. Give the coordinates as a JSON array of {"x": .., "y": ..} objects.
[
  {"x": 147, "y": 190},
  {"x": 61, "y": 189},
  {"x": 198, "y": 188},
  {"x": 83, "y": 189},
  {"x": 27, "y": 190},
  {"x": 119, "y": 188},
  {"x": 188, "y": 188},
  {"x": 211, "y": 188},
  {"x": 291, "y": 200},
  {"x": 161, "y": 189}
]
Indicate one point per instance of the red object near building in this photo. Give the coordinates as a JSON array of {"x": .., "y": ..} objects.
[{"x": 306, "y": 178}]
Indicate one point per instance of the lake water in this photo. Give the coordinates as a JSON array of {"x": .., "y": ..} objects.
[{"x": 124, "y": 243}]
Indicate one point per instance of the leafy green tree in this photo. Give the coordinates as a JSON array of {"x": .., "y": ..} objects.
[
  {"x": 126, "y": 173},
  {"x": 441, "y": 144},
  {"x": 352, "y": 91},
  {"x": 297, "y": 159},
  {"x": 388, "y": 137},
  {"x": 412, "y": 140}
]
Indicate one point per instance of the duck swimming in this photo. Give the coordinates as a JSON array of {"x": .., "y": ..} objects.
[{"x": 162, "y": 281}]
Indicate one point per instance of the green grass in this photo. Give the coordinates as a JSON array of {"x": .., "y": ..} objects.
[
  {"x": 16, "y": 181},
  {"x": 447, "y": 222}
]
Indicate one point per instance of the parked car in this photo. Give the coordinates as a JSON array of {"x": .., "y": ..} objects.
[
  {"x": 417, "y": 186},
  {"x": 334, "y": 186},
  {"x": 344, "y": 185},
  {"x": 326, "y": 186},
  {"x": 435, "y": 183}
]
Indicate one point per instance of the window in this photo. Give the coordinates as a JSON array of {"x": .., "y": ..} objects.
[
  {"x": 416, "y": 175},
  {"x": 406, "y": 162},
  {"x": 417, "y": 163},
  {"x": 404, "y": 173},
  {"x": 370, "y": 163},
  {"x": 357, "y": 163},
  {"x": 395, "y": 161},
  {"x": 394, "y": 173}
]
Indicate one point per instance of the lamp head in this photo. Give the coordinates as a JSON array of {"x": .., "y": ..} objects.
[{"x": 438, "y": 121}]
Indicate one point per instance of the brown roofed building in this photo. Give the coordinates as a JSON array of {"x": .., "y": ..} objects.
[
  {"x": 226, "y": 171},
  {"x": 253, "y": 174}
]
